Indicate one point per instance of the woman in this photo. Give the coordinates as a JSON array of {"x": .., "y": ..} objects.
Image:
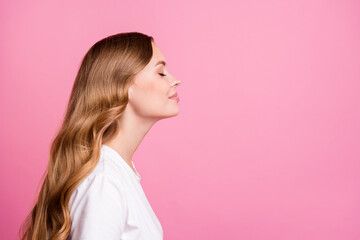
[{"x": 92, "y": 189}]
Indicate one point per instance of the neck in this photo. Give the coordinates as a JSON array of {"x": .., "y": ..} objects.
[{"x": 132, "y": 130}]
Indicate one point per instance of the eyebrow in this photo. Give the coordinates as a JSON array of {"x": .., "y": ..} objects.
[{"x": 160, "y": 62}]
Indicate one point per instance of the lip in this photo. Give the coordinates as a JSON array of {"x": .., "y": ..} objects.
[{"x": 174, "y": 95}]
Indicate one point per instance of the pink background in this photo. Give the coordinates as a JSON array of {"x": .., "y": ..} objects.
[{"x": 266, "y": 144}]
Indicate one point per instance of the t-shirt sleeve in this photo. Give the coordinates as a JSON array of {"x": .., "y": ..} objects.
[{"x": 100, "y": 210}]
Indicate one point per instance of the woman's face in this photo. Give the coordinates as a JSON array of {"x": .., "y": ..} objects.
[{"x": 151, "y": 88}]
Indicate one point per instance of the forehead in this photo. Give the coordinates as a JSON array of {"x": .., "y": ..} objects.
[{"x": 157, "y": 54}]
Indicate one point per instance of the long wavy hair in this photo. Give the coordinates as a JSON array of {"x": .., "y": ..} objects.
[{"x": 98, "y": 98}]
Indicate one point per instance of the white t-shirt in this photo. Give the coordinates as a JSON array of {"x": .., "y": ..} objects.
[{"x": 111, "y": 204}]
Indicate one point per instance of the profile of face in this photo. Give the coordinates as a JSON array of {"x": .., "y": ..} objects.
[{"x": 151, "y": 89}]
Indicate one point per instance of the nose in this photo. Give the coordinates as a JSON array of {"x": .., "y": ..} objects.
[{"x": 175, "y": 82}]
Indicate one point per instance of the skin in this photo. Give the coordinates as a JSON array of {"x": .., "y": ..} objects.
[{"x": 148, "y": 103}]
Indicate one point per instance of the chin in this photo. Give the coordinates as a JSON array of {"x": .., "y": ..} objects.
[{"x": 172, "y": 114}]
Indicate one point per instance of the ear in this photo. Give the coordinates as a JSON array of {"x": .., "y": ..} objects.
[{"x": 130, "y": 92}]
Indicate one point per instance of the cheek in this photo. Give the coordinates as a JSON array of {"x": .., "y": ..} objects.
[
  {"x": 151, "y": 95},
  {"x": 156, "y": 89}
]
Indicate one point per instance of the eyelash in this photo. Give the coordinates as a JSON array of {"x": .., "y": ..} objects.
[{"x": 161, "y": 74}]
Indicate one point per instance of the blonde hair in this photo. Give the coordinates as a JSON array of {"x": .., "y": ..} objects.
[{"x": 98, "y": 98}]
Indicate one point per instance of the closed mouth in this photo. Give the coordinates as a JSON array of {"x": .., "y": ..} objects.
[{"x": 174, "y": 95}]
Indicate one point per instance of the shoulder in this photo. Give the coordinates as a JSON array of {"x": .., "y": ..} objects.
[
  {"x": 102, "y": 183},
  {"x": 105, "y": 171},
  {"x": 98, "y": 206}
]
